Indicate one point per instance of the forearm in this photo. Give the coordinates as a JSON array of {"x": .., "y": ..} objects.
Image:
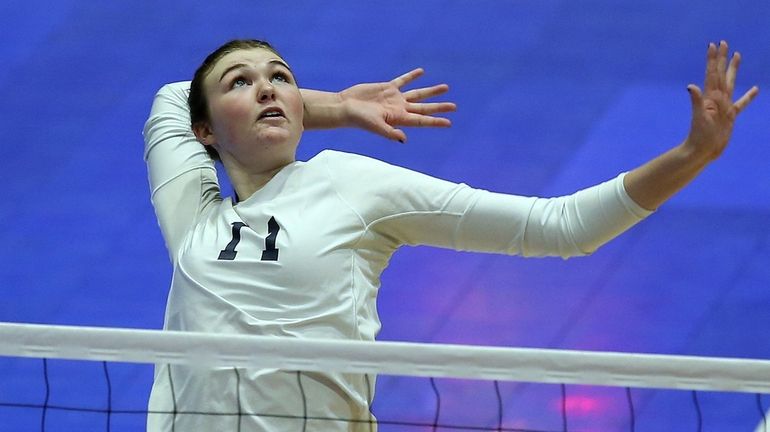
[
  {"x": 653, "y": 183},
  {"x": 580, "y": 223},
  {"x": 323, "y": 110}
]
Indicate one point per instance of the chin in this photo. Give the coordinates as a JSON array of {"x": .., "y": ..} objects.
[
  {"x": 278, "y": 144},
  {"x": 276, "y": 135}
]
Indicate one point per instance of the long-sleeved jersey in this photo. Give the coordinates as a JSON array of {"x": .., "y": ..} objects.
[{"x": 302, "y": 257}]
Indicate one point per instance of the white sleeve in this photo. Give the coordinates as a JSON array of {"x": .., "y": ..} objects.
[
  {"x": 182, "y": 176},
  {"x": 566, "y": 226},
  {"x": 406, "y": 207}
]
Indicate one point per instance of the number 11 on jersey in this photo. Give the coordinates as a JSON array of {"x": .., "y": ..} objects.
[{"x": 270, "y": 253}]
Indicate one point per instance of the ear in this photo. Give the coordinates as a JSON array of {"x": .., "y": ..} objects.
[{"x": 204, "y": 134}]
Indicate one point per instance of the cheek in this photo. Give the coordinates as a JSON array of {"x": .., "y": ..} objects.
[
  {"x": 234, "y": 109},
  {"x": 298, "y": 107},
  {"x": 229, "y": 114}
]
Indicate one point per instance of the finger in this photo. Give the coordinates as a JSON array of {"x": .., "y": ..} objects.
[
  {"x": 732, "y": 71},
  {"x": 721, "y": 64},
  {"x": 407, "y": 77},
  {"x": 386, "y": 130},
  {"x": 431, "y": 108},
  {"x": 710, "y": 82},
  {"x": 746, "y": 99},
  {"x": 417, "y": 120},
  {"x": 425, "y": 92}
]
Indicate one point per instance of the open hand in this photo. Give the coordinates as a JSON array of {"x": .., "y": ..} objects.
[
  {"x": 713, "y": 109},
  {"x": 382, "y": 107}
]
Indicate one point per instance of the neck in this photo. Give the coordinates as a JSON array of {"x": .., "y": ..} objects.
[{"x": 246, "y": 182}]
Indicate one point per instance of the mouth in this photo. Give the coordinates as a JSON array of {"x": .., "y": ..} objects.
[{"x": 271, "y": 113}]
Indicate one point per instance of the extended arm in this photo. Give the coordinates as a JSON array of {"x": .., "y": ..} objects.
[
  {"x": 399, "y": 206},
  {"x": 713, "y": 117},
  {"x": 181, "y": 174}
]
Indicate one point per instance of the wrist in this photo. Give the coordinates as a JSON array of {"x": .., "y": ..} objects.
[
  {"x": 691, "y": 151},
  {"x": 323, "y": 110}
]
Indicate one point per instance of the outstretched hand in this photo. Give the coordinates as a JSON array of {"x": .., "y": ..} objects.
[
  {"x": 713, "y": 109},
  {"x": 383, "y": 107},
  {"x": 713, "y": 117}
]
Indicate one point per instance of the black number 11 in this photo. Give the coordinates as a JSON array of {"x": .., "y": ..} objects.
[{"x": 270, "y": 253}]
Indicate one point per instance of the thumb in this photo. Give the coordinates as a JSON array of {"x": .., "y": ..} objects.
[{"x": 696, "y": 98}]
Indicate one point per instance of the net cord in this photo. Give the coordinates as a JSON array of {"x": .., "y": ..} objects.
[{"x": 389, "y": 358}]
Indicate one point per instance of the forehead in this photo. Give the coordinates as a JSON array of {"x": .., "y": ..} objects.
[{"x": 249, "y": 57}]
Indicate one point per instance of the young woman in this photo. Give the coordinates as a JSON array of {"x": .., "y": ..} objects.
[{"x": 300, "y": 250}]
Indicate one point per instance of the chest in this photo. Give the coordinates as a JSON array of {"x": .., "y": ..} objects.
[{"x": 297, "y": 245}]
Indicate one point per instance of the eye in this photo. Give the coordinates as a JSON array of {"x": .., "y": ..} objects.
[
  {"x": 281, "y": 76},
  {"x": 239, "y": 82}
]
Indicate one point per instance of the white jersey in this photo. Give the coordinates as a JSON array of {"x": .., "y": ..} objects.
[{"x": 302, "y": 257}]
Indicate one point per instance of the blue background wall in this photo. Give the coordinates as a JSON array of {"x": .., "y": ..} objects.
[{"x": 552, "y": 95}]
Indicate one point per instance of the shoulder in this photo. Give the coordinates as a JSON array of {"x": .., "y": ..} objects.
[
  {"x": 365, "y": 178},
  {"x": 336, "y": 155},
  {"x": 364, "y": 171},
  {"x": 339, "y": 163}
]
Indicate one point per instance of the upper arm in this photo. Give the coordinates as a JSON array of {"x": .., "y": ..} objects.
[
  {"x": 403, "y": 206},
  {"x": 181, "y": 174}
]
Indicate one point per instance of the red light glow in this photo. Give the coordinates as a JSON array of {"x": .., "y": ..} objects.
[{"x": 580, "y": 405}]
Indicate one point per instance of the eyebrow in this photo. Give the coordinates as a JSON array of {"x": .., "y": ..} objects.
[{"x": 240, "y": 65}]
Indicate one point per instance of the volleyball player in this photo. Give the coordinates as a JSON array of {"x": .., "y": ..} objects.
[{"x": 299, "y": 251}]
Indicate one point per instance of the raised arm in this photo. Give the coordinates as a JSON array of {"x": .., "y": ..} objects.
[
  {"x": 713, "y": 117},
  {"x": 378, "y": 107},
  {"x": 181, "y": 174}
]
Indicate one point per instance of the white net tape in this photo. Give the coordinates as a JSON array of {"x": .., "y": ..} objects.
[{"x": 391, "y": 358}]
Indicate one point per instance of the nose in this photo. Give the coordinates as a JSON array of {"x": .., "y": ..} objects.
[{"x": 266, "y": 92}]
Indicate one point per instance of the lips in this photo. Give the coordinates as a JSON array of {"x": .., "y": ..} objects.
[{"x": 271, "y": 112}]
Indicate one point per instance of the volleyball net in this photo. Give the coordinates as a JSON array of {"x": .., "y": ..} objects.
[{"x": 86, "y": 378}]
